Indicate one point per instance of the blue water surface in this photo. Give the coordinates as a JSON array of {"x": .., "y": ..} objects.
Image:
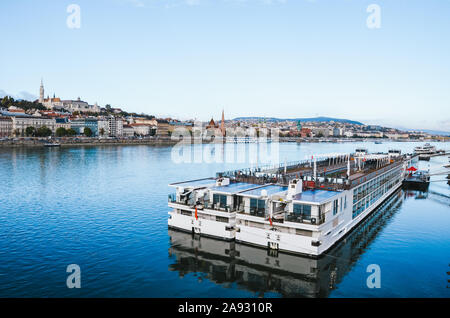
[{"x": 105, "y": 209}]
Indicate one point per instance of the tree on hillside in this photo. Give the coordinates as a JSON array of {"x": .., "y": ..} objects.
[{"x": 8, "y": 101}]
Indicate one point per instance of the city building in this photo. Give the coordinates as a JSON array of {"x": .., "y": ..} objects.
[
  {"x": 103, "y": 127},
  {"x": 80, "y": 124},
  {"x": 179, "y": 124},
  {"x": 6, "y": 126},
  {"x": 143, "y": 120},
  {"x": 127, "y": 131},
  {"x": 212, "y": 124},
  {"x": 305, "y": 132},
  {"x": 162, "y": 129},
  {"x": 142, "y": 129},
  {"x": 337, "y": 132},
  {"x": 115, "y": 126},
  {"x": 21, "y": 122},
  {"x": 16, "y": 110},
  {"x": 62, "y": 122},
  {"x": 56, "y": 103}
]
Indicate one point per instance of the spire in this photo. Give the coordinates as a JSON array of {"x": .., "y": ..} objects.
[
  {"x": 222, "y": 125},
  {"x": 41, "y": 92}
]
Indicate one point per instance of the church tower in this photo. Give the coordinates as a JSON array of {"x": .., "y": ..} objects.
[
  {"x": 41, "y": 92},
  {"x": 222, "y": 124}
]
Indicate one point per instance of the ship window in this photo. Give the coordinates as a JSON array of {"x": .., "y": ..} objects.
[
  {"x": 220, "y": 199},
  {"x": 335, "y": 206},
  {"x": 221, "y": 219},
  {"x": 302, "y": 209},
  {"x": 257, "y": 205}
]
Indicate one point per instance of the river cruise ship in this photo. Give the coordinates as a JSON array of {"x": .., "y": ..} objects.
[
  {"x": 426, "y": 149},
  {"x": 300, "y": 207}
]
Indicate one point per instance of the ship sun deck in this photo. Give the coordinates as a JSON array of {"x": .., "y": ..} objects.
[
  {"x": 266, "y": 190},
  {"x": 315, "y": 196},
  {"x": 195, "y": 184},
  {"x": 234, "y": 188}
]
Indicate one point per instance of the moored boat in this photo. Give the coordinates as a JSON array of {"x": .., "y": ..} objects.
[
  {"x": 425, "y": 149},
  {"x": 304, "y": 207},
  {"x": 416, "y": 179},
  {"x": 52, "y": 144}
]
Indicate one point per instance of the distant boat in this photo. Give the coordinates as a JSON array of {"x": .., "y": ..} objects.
[
  {"x": 239, "y": 140},
  {"x": 51, "y": 144},
  {"x": 426, "y": 149},
  {"x": 378, "y": 142}
]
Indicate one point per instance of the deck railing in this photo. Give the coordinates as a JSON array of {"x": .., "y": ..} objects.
[
  {"x": 258, "y": 212},
  {"x": 290, "y": 217},
  {"x": 201, "y": 205}
]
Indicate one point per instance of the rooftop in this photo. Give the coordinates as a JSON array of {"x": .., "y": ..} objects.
[
  {"x": 200, "y": 183},
  {"x": 315, "y": 195},
  {"x": 234, "y": 188},
  {"x": 270, "y": 189}
]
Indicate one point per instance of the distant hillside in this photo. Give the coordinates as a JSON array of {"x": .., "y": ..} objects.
[
  {"x": 314, "y": 119},
  {"x": 433, "y": 132}
]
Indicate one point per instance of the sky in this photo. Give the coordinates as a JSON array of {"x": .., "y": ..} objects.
[{"x": 189, "y": 59}]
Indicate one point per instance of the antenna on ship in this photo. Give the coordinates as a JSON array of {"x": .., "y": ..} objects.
[
  {"x": 315, "y": 170},
  {"x": 348, "y": 167}
]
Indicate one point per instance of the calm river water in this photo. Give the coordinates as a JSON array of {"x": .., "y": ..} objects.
[{"x": 105, "y": 209}]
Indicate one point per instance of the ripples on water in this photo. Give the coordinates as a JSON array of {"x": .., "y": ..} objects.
[{"x": 105, "y": 208}]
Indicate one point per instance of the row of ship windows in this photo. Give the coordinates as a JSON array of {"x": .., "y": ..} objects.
[
  {"x": 369, "y": 187},
  {"x": 367, "y": 201},
  {"x": 299, "y": 210}
]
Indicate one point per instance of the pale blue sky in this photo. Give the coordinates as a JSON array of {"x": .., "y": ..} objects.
[{"x": 191, "y": 58}]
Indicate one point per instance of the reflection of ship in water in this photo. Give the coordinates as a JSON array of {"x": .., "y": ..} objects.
[{"x": 261, "y": 271}]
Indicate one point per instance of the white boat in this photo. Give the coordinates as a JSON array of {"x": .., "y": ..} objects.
[
  {"x": 425, "y": 149},
  {"x": 239, "y": 140},
  {"x": 52, "y": 144},
  {"x": 302, "y": 208}
]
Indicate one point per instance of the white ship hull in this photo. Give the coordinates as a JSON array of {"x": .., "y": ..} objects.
[
  {"x": 201, "y": 225},
  {"x": 294, "y": 243}
]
